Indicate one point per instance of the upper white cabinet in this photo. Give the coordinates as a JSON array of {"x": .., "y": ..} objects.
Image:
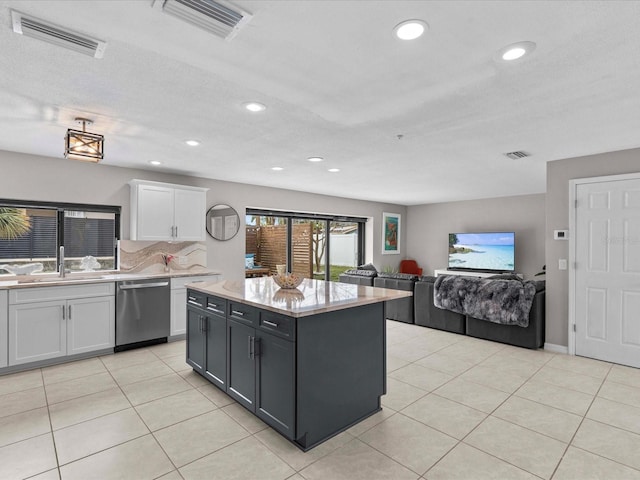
[{"x": 164, "y": 211}]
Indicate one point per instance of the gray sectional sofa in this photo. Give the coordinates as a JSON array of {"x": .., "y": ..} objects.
[
  {"x": 402, "y": 308},
  {"x": 421, "y": 310},
  {"x": 531, "y": 336},
  {"x": 427, "y": 315}
]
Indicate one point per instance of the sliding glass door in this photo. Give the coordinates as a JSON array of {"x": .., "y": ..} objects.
[
  {"x": 310, "y": 245},
  {"x": 345, "y": 239}
]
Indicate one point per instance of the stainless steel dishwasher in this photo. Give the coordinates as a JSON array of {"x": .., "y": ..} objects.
[{"x": 143, "y": 312}]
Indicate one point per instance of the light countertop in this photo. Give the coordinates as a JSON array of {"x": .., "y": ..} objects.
[
  {"x": 310, "y": 298},
  {"x": 53, "y": 280}
]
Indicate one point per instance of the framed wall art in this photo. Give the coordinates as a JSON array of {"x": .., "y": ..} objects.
[{"x": 390, "y": 233}]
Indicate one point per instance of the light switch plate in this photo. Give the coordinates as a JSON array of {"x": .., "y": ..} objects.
[
  {"x": 562, "y": 264},
  {"x": 561, "y": 234}
]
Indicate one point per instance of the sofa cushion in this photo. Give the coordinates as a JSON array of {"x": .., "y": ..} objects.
[
  {"x": 427, "y": 278},
  {"x": 398, "y": 276},
  {"x": 361, "y": 273},
  {"x": 368, "y": 266}
]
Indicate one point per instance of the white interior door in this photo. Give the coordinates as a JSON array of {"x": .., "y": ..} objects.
[{"x": 607, "y": 271}]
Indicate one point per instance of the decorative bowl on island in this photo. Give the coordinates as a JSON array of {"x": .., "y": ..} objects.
[{"x": 287, "y": 280}]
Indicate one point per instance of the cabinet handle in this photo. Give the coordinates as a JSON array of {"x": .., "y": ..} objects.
[
  {"x": 69, "y": 316},
  {"x": 194, "y": 301},
  {"x": 64, "y": 313},
  {"x": 271, "y": 324},
  {"x": 176, "y": 231},
  {"x": 249, "y": 347},
  {"x": 238, "y": 313},
  {"x": 257, "y": 347},
  {"x": 205, "y": 325}
]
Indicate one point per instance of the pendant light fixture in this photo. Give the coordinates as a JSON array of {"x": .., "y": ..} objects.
[{"x": 82, "y": 145}]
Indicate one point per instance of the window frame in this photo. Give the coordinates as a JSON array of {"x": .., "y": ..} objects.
[
  {"x": 61, "y": 208},
  {"x": 327, "y": 218}
]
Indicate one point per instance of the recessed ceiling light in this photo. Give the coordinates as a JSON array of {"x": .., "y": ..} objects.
[
  {"x": 516, "y": 51},
  {"x": 155, "y": 162},
  {"x": 315, "y": 159},
  {"x": 192, "y": 143},
  {"x": 277, "y": 169},
  {"x": 334, "y": 170},
  {"x": 255, "y": 107},
  {"x": 410, "y": 29}
]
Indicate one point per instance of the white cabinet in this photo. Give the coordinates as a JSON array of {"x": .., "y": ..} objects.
[
  {"x": 90, "y": 324},
  {"x": 167, "y": 212},
  {"x": 37, "y": 332},
  {"x": 179, "y": 301},
  {"x": 4, "y": 328},
  {"x": 153, "y": 217},
  {"x": 52, "y": 322},
  {"x": 178, "y": 312}
]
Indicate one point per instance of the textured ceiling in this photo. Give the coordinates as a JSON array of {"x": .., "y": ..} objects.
[{"x": 338, "y": 85}]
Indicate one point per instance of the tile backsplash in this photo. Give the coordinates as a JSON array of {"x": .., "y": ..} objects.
[{"x": 146, "y": 257}]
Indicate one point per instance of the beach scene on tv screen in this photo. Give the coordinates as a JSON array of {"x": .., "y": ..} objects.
[{"x": 482, "y": 251}]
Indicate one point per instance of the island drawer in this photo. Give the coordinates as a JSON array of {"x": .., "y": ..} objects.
[
  {"x": 242, "y": 313},
  {"x": 216, "y": 305},
  {"x": 196, "y": 299},
  {"x": 280, "y": 325}
]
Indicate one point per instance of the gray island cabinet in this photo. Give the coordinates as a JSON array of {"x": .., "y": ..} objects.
[{"x": 309, "y": 362}]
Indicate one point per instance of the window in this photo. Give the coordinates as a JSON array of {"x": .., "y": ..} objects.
[
  {"x": 33, "y": 232},
  {"x": 311, "y": 245}
]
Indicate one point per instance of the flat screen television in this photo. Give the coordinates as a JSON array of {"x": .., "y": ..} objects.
[{"x": 485, "y": 252}]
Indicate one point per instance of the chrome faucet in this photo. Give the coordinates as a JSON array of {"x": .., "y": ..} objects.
[{"x": 61, "y": 269}]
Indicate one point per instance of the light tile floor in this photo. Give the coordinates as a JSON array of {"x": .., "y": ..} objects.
[{"x": 456, "y": 407}]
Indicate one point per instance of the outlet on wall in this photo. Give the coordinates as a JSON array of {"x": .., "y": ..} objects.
[{"x": 562, "y": 264}]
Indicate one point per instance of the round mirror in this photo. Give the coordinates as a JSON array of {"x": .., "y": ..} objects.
[{"x": 223, "y": 222}]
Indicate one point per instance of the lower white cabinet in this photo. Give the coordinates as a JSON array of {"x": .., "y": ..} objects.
[
  {"x": 4, "y": 329},
  {"x": 41, "y": 328},
  {"x": 90, "y": 324},
  {"x": 179, "y": 301},
  {"x": 37, "y": 332}
]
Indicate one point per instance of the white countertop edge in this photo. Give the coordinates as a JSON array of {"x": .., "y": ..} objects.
[
  {"x": 383, "y": 294},
  {"x": 95, "y": 277}
]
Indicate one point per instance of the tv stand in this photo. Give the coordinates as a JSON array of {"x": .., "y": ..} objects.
[{"x": 465, "y": 273}]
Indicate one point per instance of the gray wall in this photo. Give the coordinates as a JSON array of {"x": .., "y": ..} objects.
[
  {"x": 30, "y": 177},
  {"x": 428, "y": 227},
  {"x": 559, "y": 173}
]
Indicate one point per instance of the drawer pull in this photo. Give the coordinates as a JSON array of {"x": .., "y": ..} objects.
[
  {"x": 238, "y": 313},
  {"x": 194, "y": 301},
  {"x": 271, "y": 324}
]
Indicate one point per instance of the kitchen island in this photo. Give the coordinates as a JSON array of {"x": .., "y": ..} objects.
[{"x": 309, "y": 362}]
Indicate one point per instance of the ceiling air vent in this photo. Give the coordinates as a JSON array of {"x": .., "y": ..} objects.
[
  {"x": 47, "y": 32},
  {"x": 223, "y": 20},
  {"x": 516, "y": 155}
]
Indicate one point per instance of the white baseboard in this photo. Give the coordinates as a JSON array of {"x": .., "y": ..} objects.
[{"x": 552, "y": 347}]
